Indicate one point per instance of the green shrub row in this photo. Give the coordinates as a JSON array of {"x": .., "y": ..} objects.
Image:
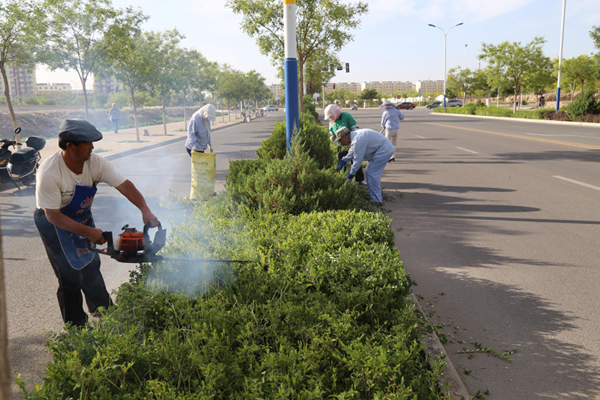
[
  {"x": 323, "y": 313},
  {"x": 584, "y": 108},
  {"x": 322, "y": 309}
]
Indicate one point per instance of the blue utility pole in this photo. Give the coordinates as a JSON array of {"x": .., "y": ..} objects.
[{"x": 292, "y": 113}]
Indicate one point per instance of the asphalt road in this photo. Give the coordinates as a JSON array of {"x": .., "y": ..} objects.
[
  {"x": 500, "y": 222},
  {"x": 31, "y": 283},
  {"x": 499, "y": 225}
]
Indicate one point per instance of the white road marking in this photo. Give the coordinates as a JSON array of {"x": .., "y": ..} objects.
[
  {"x": 420, "y": 137},
  {"x": 559, "y": 135},
  {"x": 578, "y": 183},
  {"x": 470, "y": 151}
]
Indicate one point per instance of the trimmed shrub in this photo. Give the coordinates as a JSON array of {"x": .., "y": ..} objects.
[
  {"x": 322, "y": 314},
  {"x": 582, "y": 105},
  {"x": 294, "y": 185},
  {"x": 314, "y": 139},
  {"x": 309, "y": 107}
]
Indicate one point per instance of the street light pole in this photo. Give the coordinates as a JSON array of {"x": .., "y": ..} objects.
[
  {"x": 562, "y": 38},
  {"x": 445, "y": 34},
  {"x": 465, "y": 56}
]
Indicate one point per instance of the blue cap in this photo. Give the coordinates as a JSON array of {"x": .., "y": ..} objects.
[{"x": 78, "y": 131}]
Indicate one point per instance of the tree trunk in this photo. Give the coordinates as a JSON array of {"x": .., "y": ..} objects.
[
  {"x": 184, "y": 112},
  {"x": 85, "y": 99},
  {"x": 228, "y": 110},
  {"x": 5, "y": 376},
  {"x": 164, "y": 115},
  {"x": 137, "y": 130},
  {"x": 515, "y": 99},
  {"x": 13, "y": 117}
]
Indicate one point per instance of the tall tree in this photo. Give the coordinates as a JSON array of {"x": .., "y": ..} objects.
[
  {"x": 163, "y": 47},
  {"x": 461, "y": 80},
  {"x": 322, "y": 26},
  {"x": 515, "y": 63},
  {"x": 579, "y": 69},
  {"x": 189, "y": 65},
  {"x": 22, "y": 33},
  {"x": 130, "y": 60},
  {"x": 82, "y": 31}
]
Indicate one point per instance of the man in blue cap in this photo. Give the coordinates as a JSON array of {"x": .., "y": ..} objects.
[
  {"x": 66, "y": 186},
  {"x": 366, "y": 145}
]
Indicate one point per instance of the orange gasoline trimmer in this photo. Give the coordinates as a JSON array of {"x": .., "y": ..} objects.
[{"x": 136, "y": 247}]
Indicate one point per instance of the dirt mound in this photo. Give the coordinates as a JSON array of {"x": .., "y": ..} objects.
[{"x": 46, "y": 123}]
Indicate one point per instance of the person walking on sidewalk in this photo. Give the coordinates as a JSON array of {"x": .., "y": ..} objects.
[
  {"x": 339, "y": 119},
  {"x": 113, "y": 115},
  {"x": 198, "y": 138},
  {"x": 369, "y": 145},
  {"x": 65, "y": 190},
  {"x": 390, "y": 121}
]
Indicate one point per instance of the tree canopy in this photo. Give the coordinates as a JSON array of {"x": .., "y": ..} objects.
[
  {"x": 82, "y": 31},
  {"x": 22, "y": 35},
  {"x": 521, "y": 65},
  {"x": 323, "y": 27}
]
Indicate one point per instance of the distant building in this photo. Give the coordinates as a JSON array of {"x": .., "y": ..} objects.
[
  {"x": 107, "y": 85},
  {"x": 53, "y": 88},
  {"x": 390, "y": 87},
  {"x": 20, "y": 81},
  {"x": 430, "y": 86},
  {"x": 276, "y": 90}
]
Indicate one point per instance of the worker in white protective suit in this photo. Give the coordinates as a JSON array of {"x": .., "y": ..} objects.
[{"x": 199, "y": 130}]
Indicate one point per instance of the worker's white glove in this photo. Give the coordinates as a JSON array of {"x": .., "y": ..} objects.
[{"x": 209, "y": 149}]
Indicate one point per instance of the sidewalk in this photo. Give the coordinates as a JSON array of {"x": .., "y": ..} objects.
[{"x": 126, "y": 140}]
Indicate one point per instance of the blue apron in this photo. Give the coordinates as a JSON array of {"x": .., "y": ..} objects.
[{"x": 79, "y": 209}]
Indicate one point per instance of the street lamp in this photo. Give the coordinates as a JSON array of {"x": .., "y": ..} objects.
[{"x": 445, "y": 33}]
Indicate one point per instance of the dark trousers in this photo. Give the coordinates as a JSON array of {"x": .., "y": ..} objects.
[
  {"x": 72, "y": 282},
  {"x": 360, "y": 175}
]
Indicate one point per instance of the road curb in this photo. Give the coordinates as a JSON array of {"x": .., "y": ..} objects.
[
  {"x": 127, "y": 153},
  {"x": 539, "y": 121},
  {"x": 456, "y": 388}
]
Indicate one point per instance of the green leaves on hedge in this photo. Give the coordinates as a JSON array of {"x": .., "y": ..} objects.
[{"x": 293, "y": 185}]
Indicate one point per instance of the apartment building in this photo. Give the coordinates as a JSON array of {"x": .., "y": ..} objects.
[
  {"x": 107, "y": 85},
  {"x": 430, "y": 86},
  {"x": 389, "y": 87},
  {"x": 53, "y": 88},
  {"x": 277, "y": 90},
  {"x": 21, "y": 82}
]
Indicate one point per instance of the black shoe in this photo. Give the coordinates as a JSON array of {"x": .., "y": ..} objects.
[{"x": 392, "y": 159}]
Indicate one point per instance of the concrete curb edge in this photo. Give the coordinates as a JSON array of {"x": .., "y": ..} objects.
[
  {"x": 539, "y": 121},
  {"x": 435, "y": 347},
  {"x": 156, "y": 145}
]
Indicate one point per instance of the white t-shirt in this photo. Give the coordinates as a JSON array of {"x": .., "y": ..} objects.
[{"x": 55, "y": 182}]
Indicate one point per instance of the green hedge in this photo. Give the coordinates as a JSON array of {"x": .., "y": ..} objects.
[
  {"x": 314, "y": 139},
  {"x": 293, "y": 185},
  {"x": 323, "y": 313}
]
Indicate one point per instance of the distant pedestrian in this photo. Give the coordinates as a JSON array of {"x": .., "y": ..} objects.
[
  {"x": 113, "y": 115},
  {"x": 199, "y": 130},
  {"x": 542, "y": 101},
  {"x": 390, "y": 121}
]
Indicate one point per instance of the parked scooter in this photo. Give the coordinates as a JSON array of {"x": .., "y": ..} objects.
[
  {"x": 20, "y": 166},
  {"x": 246, "y": 116}
]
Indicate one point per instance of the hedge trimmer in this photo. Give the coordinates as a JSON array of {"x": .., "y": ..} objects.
[{"x": 136, "y": 247}]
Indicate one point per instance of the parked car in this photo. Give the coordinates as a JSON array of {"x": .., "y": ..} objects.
[
  {"x": 454, "y": 103},
  {"x": 270, "y": 108},
  {"x": 405, "y": 106},
  {"x": 434, "y": 104}
]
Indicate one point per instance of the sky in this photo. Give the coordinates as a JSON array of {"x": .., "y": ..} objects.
[{"x": 393, "y": 41}]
